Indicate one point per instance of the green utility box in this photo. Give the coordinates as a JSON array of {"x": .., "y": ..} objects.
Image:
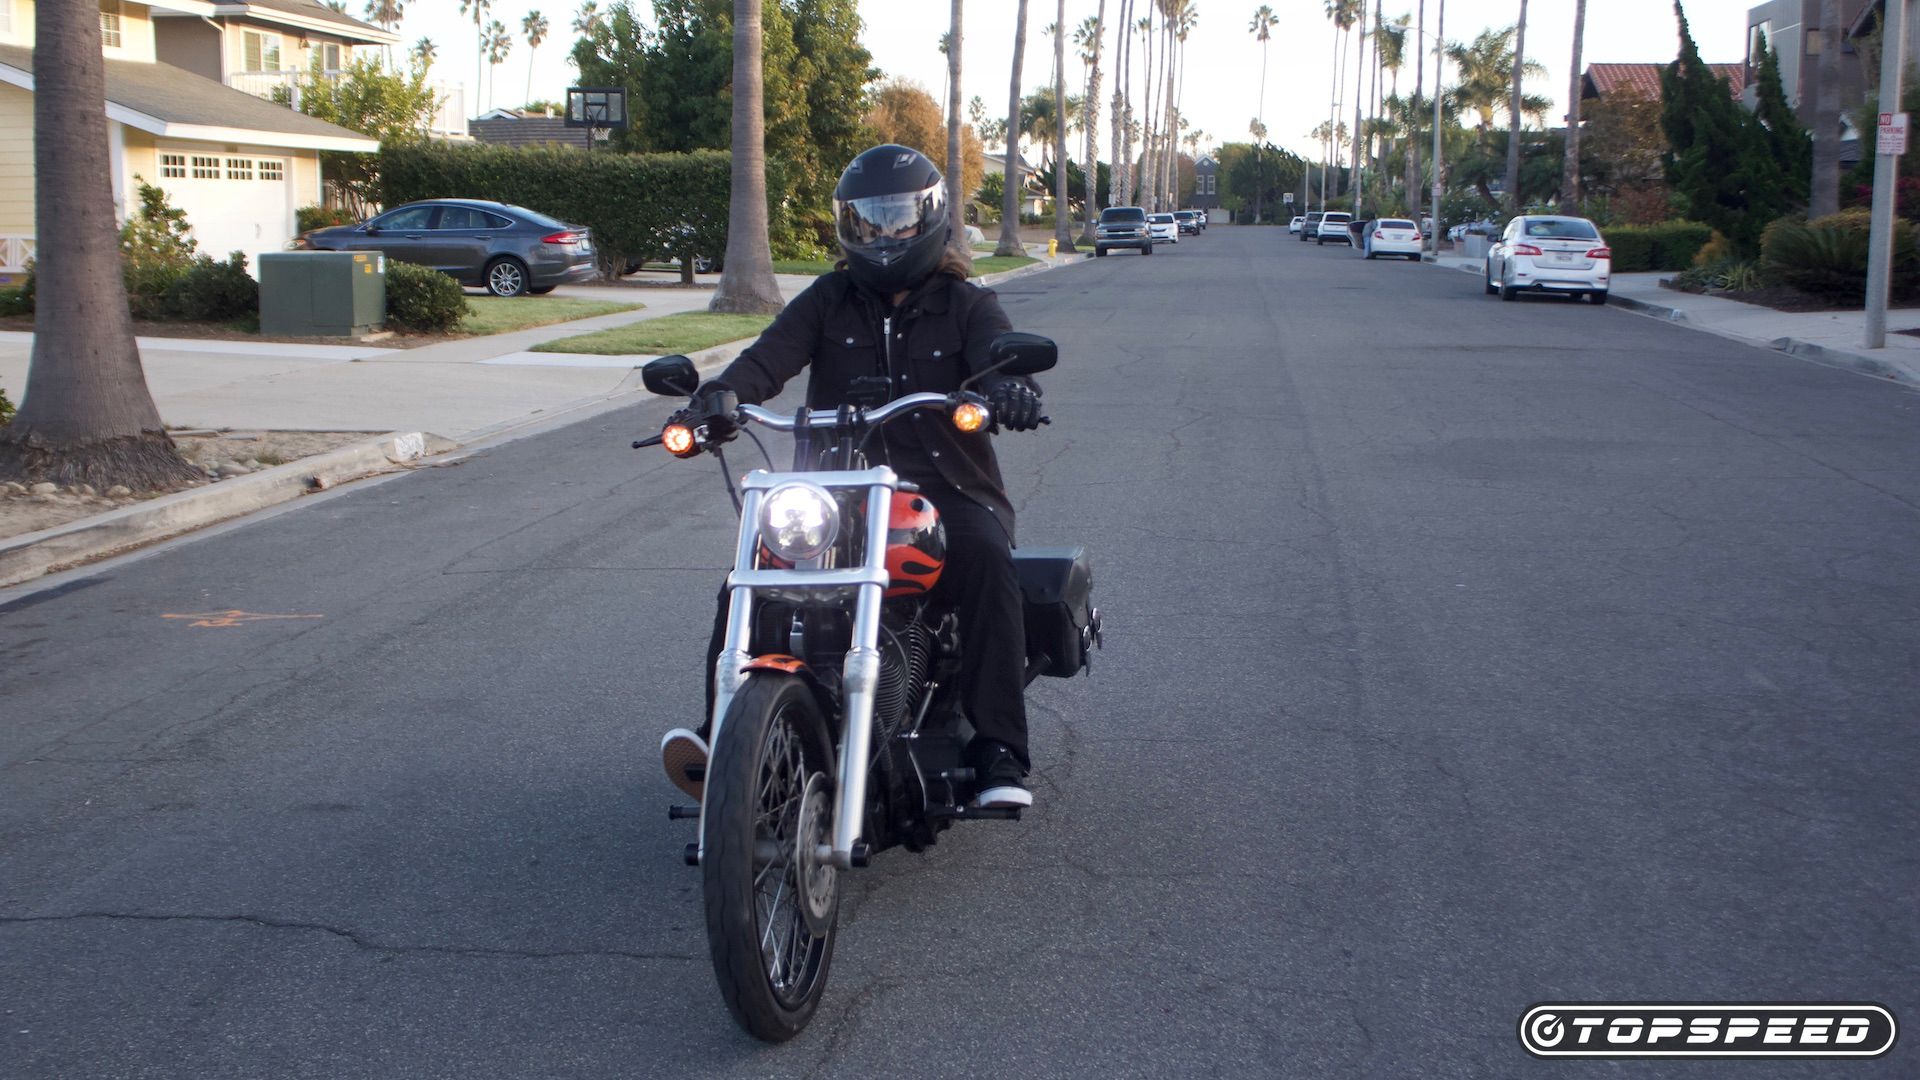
[{"x": 322, "y": 293}]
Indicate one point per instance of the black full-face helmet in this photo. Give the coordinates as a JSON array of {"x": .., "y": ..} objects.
[{"x": 890, "y": 212}]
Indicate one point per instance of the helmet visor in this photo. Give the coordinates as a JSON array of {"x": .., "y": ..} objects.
[{"x": 882, "y": 221}]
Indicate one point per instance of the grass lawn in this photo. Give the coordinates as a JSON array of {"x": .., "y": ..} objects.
[
  {"x": 982, "y": 264},
  {"x": 815, "y": 267},
  {"x": 689, "y": 331},
  {"x": 993, "y": 264},
  {"x": 497, "y": 315}
]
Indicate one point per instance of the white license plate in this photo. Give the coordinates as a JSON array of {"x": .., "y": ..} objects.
[{"x": 1564, "y": 259}]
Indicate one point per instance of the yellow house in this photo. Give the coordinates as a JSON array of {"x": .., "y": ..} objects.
[{"x": 237, "y": 163}]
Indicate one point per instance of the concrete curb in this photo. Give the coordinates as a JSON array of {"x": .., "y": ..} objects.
[
  {"x": 988, "y": 281},
  {"x": 1659, "y": 311},
  {"x": 31, "y": 555},
  {"x": 1851, "y": 361}
]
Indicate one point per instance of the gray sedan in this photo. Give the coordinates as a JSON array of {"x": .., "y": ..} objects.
[{"x": 507, "y": 250}]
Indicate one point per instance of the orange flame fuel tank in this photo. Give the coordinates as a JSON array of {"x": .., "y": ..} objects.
[{"x": 916, "y": 545}]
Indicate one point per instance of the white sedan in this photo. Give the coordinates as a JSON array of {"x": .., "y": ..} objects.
[
  {"x": 1392, "y": 236},
  {"x": 1164, "y": 228},
  {"x": 1293, "y": 227},
  {"x": 1541, "y": 253}
]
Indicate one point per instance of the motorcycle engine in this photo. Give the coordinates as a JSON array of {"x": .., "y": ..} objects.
[{"x": 906, "y": 652}]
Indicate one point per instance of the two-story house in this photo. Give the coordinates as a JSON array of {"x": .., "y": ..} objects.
[{"x": 237, "y": 163}]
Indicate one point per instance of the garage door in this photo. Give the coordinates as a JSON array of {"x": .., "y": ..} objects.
[{"x": 234, "y": 202}]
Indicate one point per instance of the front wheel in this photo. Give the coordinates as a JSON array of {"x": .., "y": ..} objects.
[{"x": 771, "y": 904}]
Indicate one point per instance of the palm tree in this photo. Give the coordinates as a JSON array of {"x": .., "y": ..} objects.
[
  {"x": 1122, "y": 111},
  {"x": 1344, "y": 14},
  {"x": 1414, "y": 110},
  {"x": 1514, "y": 119},
  {"x": 1264, "y": 20},
  {"x": 746, "y": 282},
  {"x": 1570, "y": 170},
  {"x": 1062, "y": 212},
  {"x": 478, "y": 10},
  {"x": 588, "y": 19},
  {"x": 1089, "y": 37},
  {"x": 386, "y": 14},
  {"x": 1182, "y": 18},
  {"x": 535, "y": 27},
  {"x": 955, "y": 165},
  {"x": 1486, "y": 76},
  {"x": 423, "y": 53},
  {"x": 87, "y": 416},
  {"x": 498, "y": 44},
  {"x": 1010, "y": 198},
  {"x": 1825, "y": 191},
  {"x": 1145, "y": 26}
]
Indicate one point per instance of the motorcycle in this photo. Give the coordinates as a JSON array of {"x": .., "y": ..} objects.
[{"x": 837, "y": 730}]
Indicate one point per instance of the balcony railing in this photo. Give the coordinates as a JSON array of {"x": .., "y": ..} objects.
[
  {"x": 449, "y": 121},
  {"x": 15, "y": 252}
]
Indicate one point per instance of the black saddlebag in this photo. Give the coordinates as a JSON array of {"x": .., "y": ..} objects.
[{"x": 1058, "y": 586}]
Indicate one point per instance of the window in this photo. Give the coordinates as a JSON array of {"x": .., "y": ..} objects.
[
  {"x": 330, "y": 56},
  {"x": 1561, "y": 229},
  {"x": 173, "y": 165},
  {"x": 239, "y": 168},
  {"x": 109, "y": 23},
  {"x": 206, "y": 168},
  {"x": 6, "y": 16},
  {"x": 272, "y": 170},
  {"x": 460, "y": 217},
  {"x": 407, "y": 218},
  {"x": 261, "y": 51}
]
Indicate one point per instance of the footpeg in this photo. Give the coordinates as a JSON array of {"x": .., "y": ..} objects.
[
  {"x": 693, "y": 854},
  {"x": 683, "y": 813},
  {"x": 976, "y": 813},
  {"x": 955, "y": 776}
]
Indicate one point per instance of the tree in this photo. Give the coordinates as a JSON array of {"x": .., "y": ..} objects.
[
  {"x": 423, "y": 53},
  {"x": 1010, "y": 205},
  {"x": 386, "y": 14},
  {"x": 393, "y": 107},
  {"x": 902, "y": 112},
  {"x": 1570, "y": 179},
  {"x": 587, "y": 21},
  {"x": 957, "y": 156},
  {"x": 1062, "y": 212},
  {"x": 1416, "y": 111},
  {"x": 1719, "y": 166},
  {"x": 87, "y": 415},
  {"x": 1090, "y": 37},
  {"x": 534, "y": 26},
  {"x": 499, "y": 44},
  {"x": 746, "y": 282},
  {"x": 1787, "y": 142},
  {"x": 1825, "y": 186},
  {"x": 1264, "y": 20},
  {"x": 1514, "y": 111},
  {"x": 1123, "y": 107},
  {"x": 477, "y": 11}
]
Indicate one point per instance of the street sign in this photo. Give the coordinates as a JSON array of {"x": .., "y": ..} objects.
[
  {"x": 1289, "y": 198},
  {"x": 1893, "y": 134}
]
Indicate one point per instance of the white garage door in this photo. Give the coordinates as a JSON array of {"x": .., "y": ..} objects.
[{"x": 234, "y": 202}]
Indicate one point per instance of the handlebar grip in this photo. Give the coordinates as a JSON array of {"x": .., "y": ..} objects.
[
  {"x": 640, "y": 444},
  {"x": 1046, "y": 419}
]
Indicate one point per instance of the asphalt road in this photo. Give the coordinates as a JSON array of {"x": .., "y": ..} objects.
[{"x": 1460, "y": 655}]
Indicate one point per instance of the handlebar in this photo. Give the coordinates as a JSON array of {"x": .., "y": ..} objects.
[{"x": 829, "y": 417}]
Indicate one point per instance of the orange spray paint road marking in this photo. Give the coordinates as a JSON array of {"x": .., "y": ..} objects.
[{"x": 233, "y": 618}]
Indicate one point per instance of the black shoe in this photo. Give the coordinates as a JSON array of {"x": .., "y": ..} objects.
[{"x": 1001, "y": 778}]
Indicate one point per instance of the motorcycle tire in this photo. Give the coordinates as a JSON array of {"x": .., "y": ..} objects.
[{"x": 770, "y": 925}]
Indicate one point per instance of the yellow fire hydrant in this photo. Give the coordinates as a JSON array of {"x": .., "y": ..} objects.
[{"x": 1053, "y": 247}]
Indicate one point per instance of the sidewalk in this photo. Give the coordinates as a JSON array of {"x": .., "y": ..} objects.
[
  {"x": 1833, "y": 338},
  {"x": 431, "y": 399}
]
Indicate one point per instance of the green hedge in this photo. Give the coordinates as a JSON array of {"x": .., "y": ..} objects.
[
  {"x": 639, "y": 206},
  {"x": 423, "y": 300},
  {"x": 1670, "y": 245},
  {"x": 308, "y": 218}
]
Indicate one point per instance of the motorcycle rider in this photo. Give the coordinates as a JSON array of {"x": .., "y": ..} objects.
[{"x": 899, "y": 307}]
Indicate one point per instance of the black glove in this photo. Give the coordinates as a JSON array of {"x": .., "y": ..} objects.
[
  {"x": 1016, "y": 404},
  {"x": 712, "y": 406}
]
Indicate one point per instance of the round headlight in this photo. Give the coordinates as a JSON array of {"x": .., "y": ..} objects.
[{"x": 799, "y": 521}]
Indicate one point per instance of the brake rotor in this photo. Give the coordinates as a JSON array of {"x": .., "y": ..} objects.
[{"x": 819, "y": 886}]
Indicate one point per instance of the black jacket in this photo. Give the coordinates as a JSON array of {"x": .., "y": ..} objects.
[{"x": 940, "y": 337}]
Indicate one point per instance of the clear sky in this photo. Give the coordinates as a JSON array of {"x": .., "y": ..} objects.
[{"x": 1223, "y": 82}]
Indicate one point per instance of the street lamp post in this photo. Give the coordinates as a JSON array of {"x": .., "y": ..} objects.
[
  {"x": 1886, "y": 168},
  {"x": 1439, "y": 83}
]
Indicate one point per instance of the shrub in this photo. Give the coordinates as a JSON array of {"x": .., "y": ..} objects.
[
  {"x": 15, "y": 302},
  {"x": 1670, "y": 245},
  {"x": 1632, "y": 249},
  {"x": 308, "y": 218},
  {"x": 641, "y": 207},
  {"x": 1827, "y": 257},
  {"x": 1717, "y": 250},
  {"x": 214, "y": 291},
  {"x": 422, "y": 300},
  {"x": 156, "y": 248},
  {"x": 6, "y": 409}
]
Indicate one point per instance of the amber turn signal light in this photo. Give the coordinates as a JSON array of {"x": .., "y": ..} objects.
[
  {"x": 969, "y": 417},
  {"x": 678, "y": 439}
]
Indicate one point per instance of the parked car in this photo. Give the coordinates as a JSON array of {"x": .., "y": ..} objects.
[
  {"x": 1188, "y": 220},
  {"x": 1295, "y": 225},
  {"x": 1473, "y": 228},
  {"x": 1392, "y": 236},
  {"x": 1333, "y": 227},
  {"x": 506, "y": 250},
  {"x": 1310, "y": 225},
  {"x": 1164, "y": 228},
  {"x": 1122, "y": 227},
  {"x": 1550, "y": 254}
]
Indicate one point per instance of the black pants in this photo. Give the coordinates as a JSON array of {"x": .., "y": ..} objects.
[{"x": 979, "y": 582}]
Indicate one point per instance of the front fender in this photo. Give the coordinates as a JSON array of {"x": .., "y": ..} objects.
[{"x": 779, "y": 664}]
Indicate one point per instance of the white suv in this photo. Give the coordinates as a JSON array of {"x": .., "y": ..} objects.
[
  {"x": 1333, "y": 226},
  {"x": 1550, "y": 254}
]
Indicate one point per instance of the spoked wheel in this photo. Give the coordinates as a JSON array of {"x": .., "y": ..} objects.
[{"x": 771, "y": 903}]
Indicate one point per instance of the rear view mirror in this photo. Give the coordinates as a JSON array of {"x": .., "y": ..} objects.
[
  {"x": 1016, "y": 353},
  {"x": 671, "y": 376}
]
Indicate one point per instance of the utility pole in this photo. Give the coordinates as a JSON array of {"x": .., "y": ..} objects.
[
  {"x": 1886, "y": 167},
  {"x": 1439, "y": 83}
]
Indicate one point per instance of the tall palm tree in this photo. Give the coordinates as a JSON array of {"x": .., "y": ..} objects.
[
  {"x": 423, "y": 53},
  {"x": 1062, "y": 211},
  {"x": 1514, "y": 119},
  {"x": 746, "y": 282},
  {"x": 1357, "y": 175},
  {"x": 498, "y": 44},
  {"x": 386, "y": 14},
  {"x": 1010, "y": 198},
  {"x": 1825, "y": 192},
  {"x": 1570, "y": 169},
  {"x": 588, "y": 19},
  {"x": 87, "y": 416},
  {"x": 1122, "y": 194},
  {"x": 477, "y": 10},
  {"x": 1344, "y": 14},
  {"x": 1092, "y": 33},
  {"x": 1145, "y": 27},
  {"x": 956, "y": 204},
  {"x": 535, "y": 27},
  {"x": 1414, "y": 112},
  {"x": 1184, "y": 17},
  {"x": 1485, "y": 77},
  {"x": 1264, "y": 20}
]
